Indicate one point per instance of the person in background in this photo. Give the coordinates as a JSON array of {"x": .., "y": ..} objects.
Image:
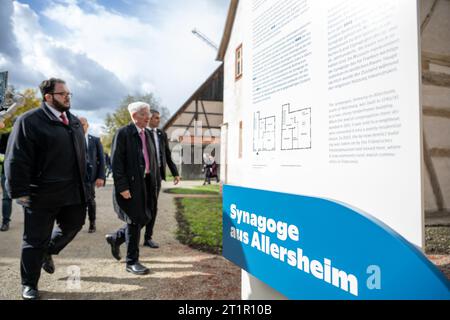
[
  {"x": 6, "y": 200},
  {"x": 210, "y": 168},
  {"x": 95, "y": 169},
  {"x": 108, "y": 165},
  {"x": 214, "y": 173},
  {"x": 164, "y": 159}
]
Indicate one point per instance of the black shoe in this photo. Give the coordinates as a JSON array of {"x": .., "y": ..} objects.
[
  {"x": 48, "y": 264},
  {"x": 5, "y": 226},
  {"x": 137, "y": 268},
  {"x": 115, "y": 249},
  {"x": 30, "y": 293},
  {"x": 151, "y": 244},
  {"x": 92, "y": 227}
]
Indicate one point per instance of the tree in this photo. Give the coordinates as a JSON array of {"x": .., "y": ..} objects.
[
  {"x": 31, "y": 102},
  {"x": 121, "y": 116}
]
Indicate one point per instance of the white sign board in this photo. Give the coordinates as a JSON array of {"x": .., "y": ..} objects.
[{"x": 332, "y": 105}]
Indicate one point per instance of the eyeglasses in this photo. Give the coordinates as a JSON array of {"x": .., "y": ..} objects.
[{"x": 64, "y": 94}]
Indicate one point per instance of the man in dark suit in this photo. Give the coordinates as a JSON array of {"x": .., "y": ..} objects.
[
  {"x": 95, "y": 170},
  {"x": 108, "y": 165},
  {"x": 6, "y": 200},
  {"x": 135, "y": 174},
  {"x": 164, "y": 159},
  {"x": 46, "y": 170}
]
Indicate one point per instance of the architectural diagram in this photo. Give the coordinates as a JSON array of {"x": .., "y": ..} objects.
[
  {"x": 295, "y": 128},
  {"x": 263, "y": 133}
]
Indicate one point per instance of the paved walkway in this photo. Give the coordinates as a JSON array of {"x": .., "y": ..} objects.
[{"x": 177, "y": 271}]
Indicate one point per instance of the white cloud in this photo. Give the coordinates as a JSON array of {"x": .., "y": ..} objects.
[
  {"x": 166, "y": 58},
  {"x": 105, "y": 54},
  {"x": 95, "y": 119},
  {"x": 32, "y": 41}
]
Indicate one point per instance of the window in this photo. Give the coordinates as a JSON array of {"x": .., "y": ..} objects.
[{"x": 238, "y": 65}]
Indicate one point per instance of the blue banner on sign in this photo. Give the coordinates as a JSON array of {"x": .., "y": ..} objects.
[{"x": 311, "y": 248}]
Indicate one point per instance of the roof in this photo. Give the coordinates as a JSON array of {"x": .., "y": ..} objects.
[
  {"x": 205, "y": 92},
  {"x": 227, "y": 31}
]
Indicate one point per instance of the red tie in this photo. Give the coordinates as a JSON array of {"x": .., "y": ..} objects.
[{"x": 64, "y": 119}]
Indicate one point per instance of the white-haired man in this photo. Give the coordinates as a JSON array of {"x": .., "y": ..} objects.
[{"x": 135, "y": 173}]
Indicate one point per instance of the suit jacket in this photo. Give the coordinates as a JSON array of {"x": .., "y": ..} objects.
[
  {"x": 128, "y": 166},
  {"x": 3, "y": 143},
  {"x": 165, "y": 154},
  {"x": 46, "y": 160},
  {"x": 96, "y": 159}
]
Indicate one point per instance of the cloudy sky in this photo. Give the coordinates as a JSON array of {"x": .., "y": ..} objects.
[{"x": 106, "y": 49}]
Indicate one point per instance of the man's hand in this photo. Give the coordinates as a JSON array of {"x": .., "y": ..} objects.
[
  {"x": 24, "y": 201},
  {"x": 99, "y": 183},
  {"x": 126, "y": 194},
  {"x": 176, "y": 180}
]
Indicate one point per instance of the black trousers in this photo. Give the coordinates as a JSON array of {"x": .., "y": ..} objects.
[
  {"x": 149, "y": 226},
  {"x": 39, "y": 239},
  {"x": 91, "y": 206},
  {"x": 131, "y": 233}
]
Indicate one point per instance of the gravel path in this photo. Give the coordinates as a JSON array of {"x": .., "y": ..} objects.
[{"x": 177, "y": 271}]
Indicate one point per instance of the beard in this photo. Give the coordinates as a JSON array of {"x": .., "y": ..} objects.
[{"x": 59, "y": 106}]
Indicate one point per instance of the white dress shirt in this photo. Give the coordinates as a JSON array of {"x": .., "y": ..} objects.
[{"x": 56, "y": 113}]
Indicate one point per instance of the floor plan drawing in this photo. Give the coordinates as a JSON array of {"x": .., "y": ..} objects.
[
  {"x": 295, "y": 128},
  {"x": 263, "y": 133}
]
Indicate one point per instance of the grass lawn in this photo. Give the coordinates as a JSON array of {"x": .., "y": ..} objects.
[
  {"x": 200, "y": 223},
  {"x": 207, "y": 189}
]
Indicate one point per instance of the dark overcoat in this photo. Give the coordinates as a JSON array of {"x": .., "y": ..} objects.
[
  {"x": 37, "y": 160},
  {"x": 128, "y": 166},
  {"x": 96, "y": 158}
]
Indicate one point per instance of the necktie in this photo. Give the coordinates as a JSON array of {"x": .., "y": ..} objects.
[
  {"x": 145, "y": 151},
  {"x": 64, "y": 119}
]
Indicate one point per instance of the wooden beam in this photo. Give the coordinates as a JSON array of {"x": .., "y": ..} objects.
[
  {"x": 209, "y": 113},
  {"x": 189, "y": 126},
  {"x": 435, "y": 58},
  {"x": 428, "y": 17},
  {"x": 436, "y": 79},
  {"x": 433, "y": 176},
  {"x": 436, "y": 112},
  {"x": 218, "y": 71},
  {"x": 199, "y": 140},
  {"x": 440, "y": 153},
  {"x": 206, "y": 117}
]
